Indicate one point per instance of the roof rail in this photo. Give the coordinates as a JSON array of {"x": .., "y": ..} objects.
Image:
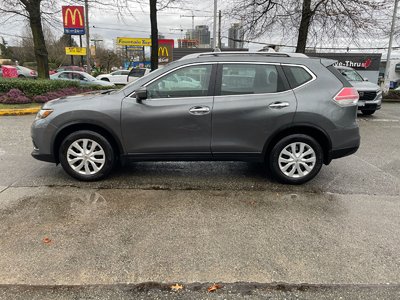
[{"x": 243, "y": 53}]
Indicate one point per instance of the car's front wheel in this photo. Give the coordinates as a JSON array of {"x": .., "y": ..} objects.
[
  {"x": 86, "y": 155},
  {"x": 105, "y": 79},
  {"x": 296, "y": 159}
]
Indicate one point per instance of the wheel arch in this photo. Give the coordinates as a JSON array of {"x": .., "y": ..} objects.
[
  {"x": 315, "y": 132},
  {"x": 70, "y": 128}
]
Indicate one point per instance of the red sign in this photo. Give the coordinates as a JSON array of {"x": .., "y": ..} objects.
[
  {"x": 9, "y": 71},
  {"x": 73, "y": 19}
]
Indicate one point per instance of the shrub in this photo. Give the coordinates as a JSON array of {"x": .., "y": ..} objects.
[
  {"x": 37, "y": 87},
  {"x": 14, "y": 96},
  {"x": 57, "y": 94}
]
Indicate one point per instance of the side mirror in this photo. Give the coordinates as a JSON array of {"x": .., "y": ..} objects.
[
  {"x": 365, "y": 79},
  {"x": 141, "y": 94}
]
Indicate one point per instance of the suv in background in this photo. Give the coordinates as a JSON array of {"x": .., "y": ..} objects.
[
  {"x": 293, "y": 113},
  {"x": 370, "y": 93}
]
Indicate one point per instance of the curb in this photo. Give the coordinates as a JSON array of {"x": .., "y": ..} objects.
[{"x": 19, "y": 111}]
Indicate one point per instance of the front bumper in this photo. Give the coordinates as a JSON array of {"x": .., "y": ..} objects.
[
  {"x": 370, "y": 104},
  {"x": 42, "y": 133}
]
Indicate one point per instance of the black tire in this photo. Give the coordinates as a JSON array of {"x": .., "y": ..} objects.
[
  {"x": 105, "y": 79},
  {"x": 368, "y": 112},
  {"x": 273, "y": 162},
  {"x": 104, "y": 145},
  {"x": 21, "y": 76}
]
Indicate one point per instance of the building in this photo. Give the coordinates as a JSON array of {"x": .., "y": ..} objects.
[
  {"x": 235, "y": 36},
  {"x": 202, "y": 34},
  {"x": 188, "y": 43}
]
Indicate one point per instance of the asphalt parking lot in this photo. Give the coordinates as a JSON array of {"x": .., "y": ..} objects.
[{"x": 203, "y": 222}]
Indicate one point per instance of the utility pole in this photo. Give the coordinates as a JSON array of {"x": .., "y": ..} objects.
[
  {"x": 219, "y": 29},
  {"x": 87, "y": 37},
  {"x": 215, "y": 25},
  {"x": 386, "y": 84}
]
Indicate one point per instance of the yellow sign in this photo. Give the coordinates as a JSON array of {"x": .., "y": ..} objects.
[
  {"x": 124, "y": 41},
  {"x": 163, "y": 51},
  {"x": 75, "y": 51}
]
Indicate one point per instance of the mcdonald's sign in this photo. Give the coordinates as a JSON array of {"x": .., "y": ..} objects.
[
  {"x": 165, "y": 49},
  {"x": 73, "y": 20}
]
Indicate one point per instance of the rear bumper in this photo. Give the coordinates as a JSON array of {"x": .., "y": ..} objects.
[{"x": 338, "y": 153}]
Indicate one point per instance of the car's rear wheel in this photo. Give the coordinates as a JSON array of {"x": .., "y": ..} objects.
[
  {"x": 21, "y": 76},
  {"x": 296, "y": 159},
  {"x": 367, "y": 112},
  {"x": 86, "y": 155}
]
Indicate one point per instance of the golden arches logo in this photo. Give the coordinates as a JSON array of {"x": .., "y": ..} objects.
[
  {"x": 73, "y": 16},
  {"x": 163, "y": 51}
]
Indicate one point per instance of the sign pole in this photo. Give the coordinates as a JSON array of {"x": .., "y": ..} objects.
[
  {"x": 386, "y": 84},
  {"x": 71, "y": 45},
  {"x": 88, "y": 69},
  {"x": 80, "y": 45}
]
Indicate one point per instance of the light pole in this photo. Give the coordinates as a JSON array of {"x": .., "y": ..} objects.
[
  {"x": 87, "y": 37},
  {"x": 214, "y": 43},
  {"x": 386, "y": 83}
]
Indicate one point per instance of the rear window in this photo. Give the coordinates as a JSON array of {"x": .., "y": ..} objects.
[{"x": 296, "y": 75}]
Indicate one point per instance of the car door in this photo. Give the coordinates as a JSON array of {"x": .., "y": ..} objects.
[
  {"x": 252, "y": 102},
  {"x": 174, "y": 119}
]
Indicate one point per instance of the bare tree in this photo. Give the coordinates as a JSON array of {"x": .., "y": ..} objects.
[
  {"x": 33, "y": 11},
  {"x": 320, "y": 18}
]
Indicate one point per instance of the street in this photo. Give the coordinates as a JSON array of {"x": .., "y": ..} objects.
[{"x": 203, "y": 222}]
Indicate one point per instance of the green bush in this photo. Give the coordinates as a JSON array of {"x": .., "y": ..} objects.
[{"x": 41, "y": 86}]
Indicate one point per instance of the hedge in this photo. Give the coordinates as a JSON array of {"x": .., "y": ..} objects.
[{"x": 38, "y": 87}]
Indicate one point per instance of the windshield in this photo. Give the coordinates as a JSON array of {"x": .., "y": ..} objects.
[{"x": 351, "y": 75}]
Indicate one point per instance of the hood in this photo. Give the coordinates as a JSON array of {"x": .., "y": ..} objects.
[
  {"x": 79, "y": 98},
  {"x": 365, "y": 86}
]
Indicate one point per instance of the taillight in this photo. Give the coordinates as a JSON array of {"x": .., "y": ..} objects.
[
  {"x": 33, "y": 73},
  {"x": 347, "y": 96}
]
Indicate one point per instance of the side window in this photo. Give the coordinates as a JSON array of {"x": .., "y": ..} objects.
[
  {"x": 239, "y": 79},
  {"x": 191, "y": 81},
  {"x": 296, "y": 75},
  {"x": 65, "y": 75},
  {"x": 137, "y": 72},
  {"x": 125, "y": 72}
]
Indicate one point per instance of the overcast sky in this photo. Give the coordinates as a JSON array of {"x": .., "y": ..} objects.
[{"x": 108, "y": 24}]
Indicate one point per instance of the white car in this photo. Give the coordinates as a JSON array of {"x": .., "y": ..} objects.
[
  {"x": 124, "y": 76},
  {"x": 82, "y": 77}
]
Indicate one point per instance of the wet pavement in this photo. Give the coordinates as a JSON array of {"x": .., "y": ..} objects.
[{"x": 203, "y": 222}]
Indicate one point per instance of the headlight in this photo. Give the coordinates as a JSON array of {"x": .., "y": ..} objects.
[{"x": 43, "y": 113}]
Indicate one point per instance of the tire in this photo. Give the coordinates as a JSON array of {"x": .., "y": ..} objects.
[
  {"x": 21, "y": 76},
  {"x": 368, "y": 112},
  {"x": 281, "y": 163},
  {"x": 105, "y": 79},
  {"x": 84, "y": 168}
]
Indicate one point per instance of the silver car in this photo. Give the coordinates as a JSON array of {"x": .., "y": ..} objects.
[
  {"x": 292, "y": 113},
  {"x": 370, "y": 93},
  {"x": 82, "y": 77}
]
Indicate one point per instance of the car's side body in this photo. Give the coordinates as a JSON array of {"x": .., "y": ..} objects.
[
  {"x": 124, "y": 76},
  {"x": 237, "y": 110}
]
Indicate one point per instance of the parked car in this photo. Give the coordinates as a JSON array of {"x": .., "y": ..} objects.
[
  {"x": 370, "y": 93},
  {"x": 124, "y": 76},
  {"x": 292, "y": 113},
  {"x": 82, "y": 77},
  {"x": 24, "y": 72}
]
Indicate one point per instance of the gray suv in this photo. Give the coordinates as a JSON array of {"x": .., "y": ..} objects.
[{"x": 293, "y": 113}]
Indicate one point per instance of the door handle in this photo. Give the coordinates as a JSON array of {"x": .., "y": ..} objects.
[
  {"x": 199, "y": 110},
  {"x": 279, "y": 105}
]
